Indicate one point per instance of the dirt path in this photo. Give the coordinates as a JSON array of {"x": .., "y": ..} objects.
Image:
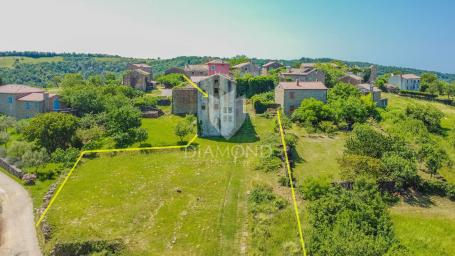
[{"x": 18, "y": 234}]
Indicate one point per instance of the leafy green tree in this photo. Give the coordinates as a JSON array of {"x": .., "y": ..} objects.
[
  {"x": 343, "y": 91},
  {"x": 66, "y": 157},
  {"x": 74, "y": 79},
  {"x": 6, "y": 122},
  {"x": 171, "y": 80},
  {"x": 4, "y": 138},
  {"x": 450, "y": 89},
  {"x": 35, "y": 158},
  {"x": 182, "y": 129},
  {"x": 83, "y": 99},
  {"x": 333, "y": 72},
  {"x": 381, "y": 81},
  {"x": 123, "y": 123},
  {"x": 312, "y": 111},
  {"x": 427, "y": 80},
  {"x": 429, "y": 115},
  {"x": 239, "y": 59},
  {"x": 18, "y": 149},
  {"x": 402, "y": 171},
  {"x": 52, "y": 130},
  {"x": 249, "y": 85},
  {"x": 351, "y": 223},
  {"x": 434, "y": 157}
]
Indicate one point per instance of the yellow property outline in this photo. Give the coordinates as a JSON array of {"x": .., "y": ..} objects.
[
  {"x": 195, "y": 86},
  {"x": 288, "y": 167},
  {"x": 180, "y": 147},
  {"x": 102, "y": 151}
]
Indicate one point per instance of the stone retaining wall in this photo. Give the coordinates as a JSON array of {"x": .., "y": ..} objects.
[{"x": 11, "y": 168}]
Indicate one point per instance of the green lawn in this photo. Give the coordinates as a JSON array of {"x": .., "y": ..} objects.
[
  {"x": 133, "y": 197},
  {"x": 161, "y": 130},
  {"x": 318, "y": 156},
  {"x": 426, "y": 230},
  {"x": 8, "y": 62}
]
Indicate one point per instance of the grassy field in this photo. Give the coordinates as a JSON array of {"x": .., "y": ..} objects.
[
  {"x": 134, "y": 197},
  {"x": 8, "y": 62},
  {"x": 161, "y": 130},
  {"x": 426, "y": 230}
]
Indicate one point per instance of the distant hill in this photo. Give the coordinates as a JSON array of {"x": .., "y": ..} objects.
[{"x": 40, "y": 68}]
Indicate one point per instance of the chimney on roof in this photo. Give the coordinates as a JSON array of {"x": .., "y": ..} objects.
[{"x": 298, "y": 82}]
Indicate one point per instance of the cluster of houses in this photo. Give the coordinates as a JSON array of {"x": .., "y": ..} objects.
[{"x": 221, "y": 113}]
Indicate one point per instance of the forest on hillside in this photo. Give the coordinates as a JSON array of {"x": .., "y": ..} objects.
[{"x": 47, "y": 73}]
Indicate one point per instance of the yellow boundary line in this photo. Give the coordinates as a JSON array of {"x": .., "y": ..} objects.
[
  {"x": 288, "y": 167},
  {"x": 195, "y": 86},
  {"x": 101, "y": 151}
]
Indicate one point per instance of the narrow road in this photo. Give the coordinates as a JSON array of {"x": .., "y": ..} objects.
[{"x": 17, "y": 226}]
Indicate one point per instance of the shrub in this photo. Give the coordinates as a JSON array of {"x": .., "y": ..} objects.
[
  {"x": 313, "y": 189},
  {"x": 313, "y": 111},
  {"x": 171, "y": 80},
  {"x": 328, "y": 127},
  {"x": 269, "y": 163},
  {"x": 263, "y": 101},
  {"x": 66, "y": 157},
  {"x": 250, "y": 86},
  {"x": 429, "y": 115},
  {"x": 145, "y": 102}
]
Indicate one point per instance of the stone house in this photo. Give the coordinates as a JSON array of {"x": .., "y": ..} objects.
[
  {"x": 175, "y": 70},
  {"x": 246, "y": 68},
  {"x": 351, "y": 79},
  {"x": 184, "y": 100},
  {"x": 375, "y": 92},
  {"x": 196, "y": 70},
  {"x": 221, "y": 113},
  {"x": 22, "y": 101},
  {"x": 139, "y": 76},
  {"x": 291, "y": 94},
  {"x": 269, "y": 66},
  {"x": 409, "y": 82},
  {"x": 305, "y": 74}
]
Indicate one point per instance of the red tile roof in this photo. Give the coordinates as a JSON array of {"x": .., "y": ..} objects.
[
  {"x": 302, "y": 85},
  {"x": 33, "y": 97},
  {"x": 410, "y": 76},
  {"x": 18, "y": 88}
]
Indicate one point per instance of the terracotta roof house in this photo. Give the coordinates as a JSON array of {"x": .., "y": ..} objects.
[
  {"x": 197, "y": 70},
  {"x": 247, "y": 68},
  {"x": 175, "y": 70},
  {"x": 269, "y": 66},
  {"x": 139, "y": 76},
  {"x": 306, "y": 74},
  {"x": 406, "y": 82},
  {"x": 351, "y": 79},
  {"x": 291, "y": 94},
  {"x": 23, "y": 101}
]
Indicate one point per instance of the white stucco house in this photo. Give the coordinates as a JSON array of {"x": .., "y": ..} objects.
[
  {"x": 409, "y": 82},
  {"x": 221, "y": 113}
]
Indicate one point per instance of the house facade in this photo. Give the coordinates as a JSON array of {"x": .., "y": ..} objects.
[
  {"x": 184, "y": 100},
  {"x": 22, "y": 101},
  {"x": 218, "y": 67},
  {"x": 139, "y": 76},
  {"x": 291, "y": 94},
  {"x": 247, "y": 68},
  {"x": 351, "y": 79},
  {"x": 269, "y": 66},
  {"x": 408, "y": 82},
  {"x": 305, "y": 74},
  {"x": 221, "y": 113},
  {"x": 196, "y": 70}
]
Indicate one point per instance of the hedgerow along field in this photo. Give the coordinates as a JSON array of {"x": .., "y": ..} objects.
[{"x": 173, "y": 202}]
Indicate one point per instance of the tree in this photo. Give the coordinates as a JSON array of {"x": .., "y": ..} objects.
[
  {"x": 429, "y": 115},
  {"x": 381, "y": 81},
  {"x": 426, "y": 80},
  {"x": 450, "y": 89},
  {"x": 171, "y": 80},
  {"x": 123, "y": 123},
  {"x": 182, "y": 129},
  {"x": 239, "y": 59},
  {"x": 52, "y": 130},
  {"x": 73, "y": 79},
  {"x": 4, "y": 138},
  {"x": 6, "y": 122},
  {"x": 312, "y": 111},
  {"x": 35, "y": 158},
  {"x": 333, "y": 72}
]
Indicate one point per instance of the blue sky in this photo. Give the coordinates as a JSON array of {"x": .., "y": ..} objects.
[{"x": 418, "y": 34}]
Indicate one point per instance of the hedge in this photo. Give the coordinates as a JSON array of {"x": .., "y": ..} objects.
[
  {"x": 263, "y": 101},
  {"x": 250, "y": 86}
]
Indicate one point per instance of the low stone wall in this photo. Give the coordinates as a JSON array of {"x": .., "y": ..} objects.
[{"x": 11, "y": 168}]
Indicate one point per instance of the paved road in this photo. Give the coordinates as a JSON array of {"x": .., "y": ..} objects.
[{"x": 18, "y": 234}]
